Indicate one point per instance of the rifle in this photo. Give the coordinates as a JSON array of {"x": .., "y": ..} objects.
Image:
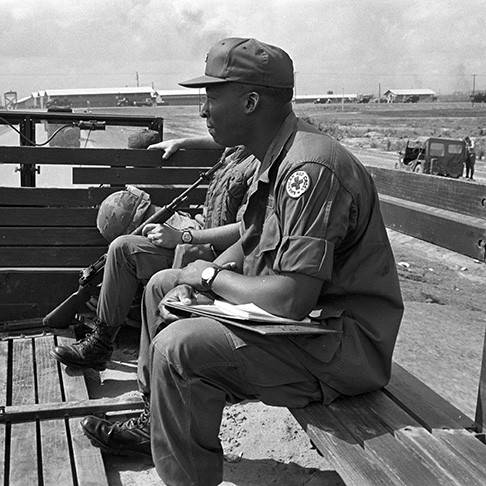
[{"x": 64, "y": 313}]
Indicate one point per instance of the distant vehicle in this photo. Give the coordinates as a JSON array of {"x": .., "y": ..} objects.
[
  {"x": 438, "y": 156},
  {"x": 321, "y": 101},
  {"x": 145, "y": 102},
  {"x": 479, "y": 97},
  {"x": 365, "y": 98},
  {"x": 412, "y": 99},
  {"x": 122, "y": 102}
]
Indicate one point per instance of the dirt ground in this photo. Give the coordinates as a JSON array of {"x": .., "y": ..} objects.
[{"x": 440, "y": 341}]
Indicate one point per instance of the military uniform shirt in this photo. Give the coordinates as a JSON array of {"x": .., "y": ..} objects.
[{"x": 313, "y": 209}]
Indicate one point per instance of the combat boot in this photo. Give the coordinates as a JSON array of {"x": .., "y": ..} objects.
[
  {"x": 128, "y": 438},
  {"x": 92, "y": 351}
]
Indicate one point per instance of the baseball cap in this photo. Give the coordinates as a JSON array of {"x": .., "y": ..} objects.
[{"x": 246, "y": 61}]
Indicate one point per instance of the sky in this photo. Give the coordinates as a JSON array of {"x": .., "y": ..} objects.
[{"x": 352, "y": 46}]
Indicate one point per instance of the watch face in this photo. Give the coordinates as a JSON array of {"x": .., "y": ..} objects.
[
  {"x": 186, "y": 236},
  {"x": 207, "y": 273}
]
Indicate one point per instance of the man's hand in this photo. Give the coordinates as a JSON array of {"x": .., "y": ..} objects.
[
  {"x": 183, "y": 294},
  {"x": 169, "y": 147},
  {"x": 162, "y": 235}
]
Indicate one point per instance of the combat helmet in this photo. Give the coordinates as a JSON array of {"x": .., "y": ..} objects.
[{"x": 121, "y": 212}]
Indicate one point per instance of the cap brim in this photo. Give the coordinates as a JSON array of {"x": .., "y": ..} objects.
[{"x": 203, "y": 81}]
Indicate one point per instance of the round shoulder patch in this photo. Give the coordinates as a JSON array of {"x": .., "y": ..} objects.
[{"x": 298, "y": 183}]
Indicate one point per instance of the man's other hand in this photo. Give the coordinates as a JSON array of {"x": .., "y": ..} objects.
[
  {"x": 162, "y": 235},
  {"x": 183, "y": 294}
]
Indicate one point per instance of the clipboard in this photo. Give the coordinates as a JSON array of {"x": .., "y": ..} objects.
[{"x": 274, "y": 326}]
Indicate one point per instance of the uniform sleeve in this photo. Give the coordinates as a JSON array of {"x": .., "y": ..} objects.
[{"x": 313, "y": 222}]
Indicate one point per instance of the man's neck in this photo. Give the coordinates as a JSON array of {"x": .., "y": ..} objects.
[{"x": 264, "y": 134}]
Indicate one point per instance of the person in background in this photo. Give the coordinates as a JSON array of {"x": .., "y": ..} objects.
[{"x": 132, "y": 260}]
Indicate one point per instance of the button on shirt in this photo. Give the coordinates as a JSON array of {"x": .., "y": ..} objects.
[{"x": 314, "y": 210}]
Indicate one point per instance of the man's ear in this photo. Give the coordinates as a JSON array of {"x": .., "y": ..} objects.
[{"x": 252, "y": 101}]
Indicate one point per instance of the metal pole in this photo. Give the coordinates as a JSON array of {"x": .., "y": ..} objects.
[{"x": 27, "y": 171}]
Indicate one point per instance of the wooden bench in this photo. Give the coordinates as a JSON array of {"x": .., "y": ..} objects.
[{"x": 404, "y": 434}]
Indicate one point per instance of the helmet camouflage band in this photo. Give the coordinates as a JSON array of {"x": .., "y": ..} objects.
[{"x": 121, "y": 212}]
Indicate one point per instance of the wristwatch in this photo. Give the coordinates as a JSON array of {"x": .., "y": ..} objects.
[
  {"x": 186, "y": 236},
  {"x": 208, "y": 275}
]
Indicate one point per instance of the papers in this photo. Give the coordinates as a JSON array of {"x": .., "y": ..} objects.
[{"x": 251, "y": 317}]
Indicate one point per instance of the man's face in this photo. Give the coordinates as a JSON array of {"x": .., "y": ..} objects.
[{"x": 224, "y": 111}]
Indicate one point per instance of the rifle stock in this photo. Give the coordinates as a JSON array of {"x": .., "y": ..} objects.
[{"x": 63, "y": 315}]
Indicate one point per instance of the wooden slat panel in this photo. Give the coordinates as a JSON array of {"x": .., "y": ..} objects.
[
  {"x": 3, "y": 402},
  {"x": 107, "y": 156},
  {"x": 355, "y": 465},
  {"x": 460, "y": 233},
  {"x": 427, "y": 407},
  {"x": 41, "y": 236},
  {"x": 89, "y": 463},
  {"x": 56, "y": 463},
  {"x": 53, "y": 256},
  {"x": 407, "y": 463},
  {"x": 440, "y": 192},
  {"x": 30, "y": 216},
  {"x": 32, "y": 196},
  {"x": 436, "y": 453},
  {"x": 23, "y": 444},
  {"x": 33, "y": 293},
  {"x": 134, "y": 176}
]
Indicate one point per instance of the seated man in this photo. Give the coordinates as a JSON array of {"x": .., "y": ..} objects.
[
  {"x": 312, "y": 238},
  {"x": 132, "y": 260}
]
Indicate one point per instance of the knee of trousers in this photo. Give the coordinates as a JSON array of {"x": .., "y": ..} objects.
[
  {"x": 193, "y": 345},
  {"x": 124, "y": 242}
]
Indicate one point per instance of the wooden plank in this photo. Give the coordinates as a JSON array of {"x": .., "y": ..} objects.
[
  {"x": 23, "y": 441},
  {"x": 35, "y": 196},
  {"x": 441, "y": 192},
  {"x": 56, "y": 462},
  {"x": 460, "y": 233},
  {"x": 43, "y": 411},
  {"x": 32, "y": 216},
  {"x": 49, "y": 256},
  {"x": 42, "y": 236},
  {"x": 3, "y": 372},
  {"x": 422, "y": 403},
  {"x": 436, "y": 453},
  {"x": 88, "y": 460},
  {"x": 3, "y": 402},
  {"x": 406, "y": 462},
  {"x": 107, "y": 156},
  {"x": 355, "y": 465},
  {"x": 3, "y": 446},
  {"x": 135, "y": 176}
]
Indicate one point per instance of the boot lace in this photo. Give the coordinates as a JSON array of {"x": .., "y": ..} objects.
[{"x": 142, "y": 421}]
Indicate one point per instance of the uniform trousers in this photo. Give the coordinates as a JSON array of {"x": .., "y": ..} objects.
[
  {"x": 131, "y": 260},
  {"x": 191, "y": 368}
]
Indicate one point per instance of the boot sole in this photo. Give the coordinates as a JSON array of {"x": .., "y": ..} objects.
[
  {"x": 115, "y": 452},
  {"x": 95, "y": 366}
]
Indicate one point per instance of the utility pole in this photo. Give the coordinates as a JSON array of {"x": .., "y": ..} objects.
[
  {"x": 138, "y": 80},
  {"x": 379, "y": 92},
  {"x": 473, "y": 84}
]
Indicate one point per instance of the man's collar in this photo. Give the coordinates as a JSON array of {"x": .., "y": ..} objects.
[{"x": 278, "y": 144}]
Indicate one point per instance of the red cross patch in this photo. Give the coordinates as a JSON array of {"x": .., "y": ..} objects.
[{"x": 298, "y": 183}]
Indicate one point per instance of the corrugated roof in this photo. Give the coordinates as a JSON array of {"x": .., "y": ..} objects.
[
  {"x": 98, "y": 91},
  {"x": 413, "y": 91}
]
